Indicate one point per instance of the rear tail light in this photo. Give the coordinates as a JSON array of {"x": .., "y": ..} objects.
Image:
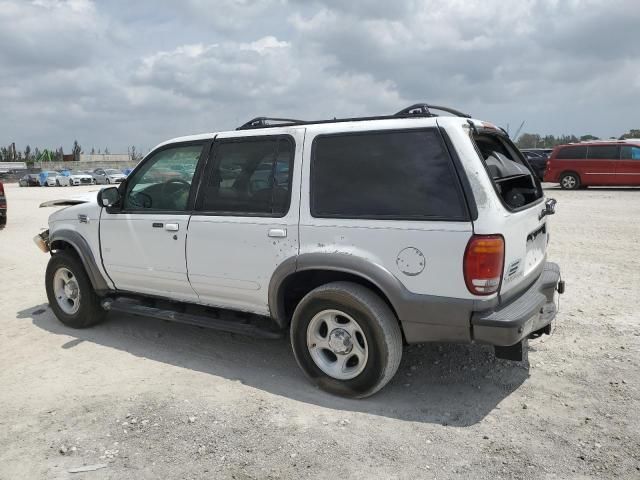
[{"x": 483, "y": 264}]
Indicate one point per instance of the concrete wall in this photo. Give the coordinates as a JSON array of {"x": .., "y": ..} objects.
[{"x": 104, "y": 158}]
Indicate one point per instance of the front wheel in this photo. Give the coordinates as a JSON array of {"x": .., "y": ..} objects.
[
  {"x": 70, "y": 293},
  {"x": 108, "y": 181},
  {"x": 569, "y": 181},
  {"x": 346, "y": 339}
]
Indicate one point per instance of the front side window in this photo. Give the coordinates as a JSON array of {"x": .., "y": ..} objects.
[
  {"x": 572, "y": 153},
  {"x": 603, "y": 152},
  {"x": 630, "y": 153},
  {"x": 250, "y": 176},
  {"x": 164, "y": 181},
  {"x": 384, "y": 175}
]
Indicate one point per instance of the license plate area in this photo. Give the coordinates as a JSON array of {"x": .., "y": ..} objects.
[{"x": 536, "y": 247}]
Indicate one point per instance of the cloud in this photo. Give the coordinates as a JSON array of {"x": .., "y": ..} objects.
[{"x": 118, "y": 73}]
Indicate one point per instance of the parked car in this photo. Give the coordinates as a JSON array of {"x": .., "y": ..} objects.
[
  {"x": 42, "y": 177},
  {"x": 350, "y": 252},
  {"x": 580, "y": 165},
  {"x": 107, "y": 175},
  {"x": 29, "y": 180},
  {"x": 74, "y": 178},
  {"x": 538, "y": 162},
  {"x": 3, "y": 207}
]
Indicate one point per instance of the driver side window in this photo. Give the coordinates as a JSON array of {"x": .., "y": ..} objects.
[{"x": 164, "y": 181}]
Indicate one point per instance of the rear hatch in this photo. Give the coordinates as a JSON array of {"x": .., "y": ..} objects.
[{"x": 524, "y": 228}]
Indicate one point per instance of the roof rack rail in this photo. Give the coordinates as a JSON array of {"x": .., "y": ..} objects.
[
  {"x": 260, "y": 122},
  {"x": 419, "y": 109},
  {"x": 424, "y": 109}
]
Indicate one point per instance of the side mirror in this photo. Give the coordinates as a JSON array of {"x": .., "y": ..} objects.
[{"x": 108, "y": 197}]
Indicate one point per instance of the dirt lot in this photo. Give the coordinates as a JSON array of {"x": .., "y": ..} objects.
[{"x": 155, "y": 400}]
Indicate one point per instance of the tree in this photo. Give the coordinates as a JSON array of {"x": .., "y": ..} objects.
[
  {"x": 587, "y": 138},
  {"x": 106, "y": 151},
  {"x": 633, "y": 133},
  {"x": 76, "y": 150},
  {"x": 59, "y": 155},
  {"x": 27, "y": 153},
  {"x": 93, "y": 151},
  {"x": 133, "y": 154}
]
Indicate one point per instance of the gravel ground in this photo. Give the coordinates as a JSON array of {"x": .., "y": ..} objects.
[{"x": 145, "y": 399}]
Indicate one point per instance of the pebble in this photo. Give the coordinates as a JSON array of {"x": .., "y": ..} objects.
[
  {"x": 202, "y": 449},
  {"x": 63, "y": 450},
  {"x": 192, "y": 419},
  {"x": 524, "y": 406},
  {"x": 344, "y": 422}
]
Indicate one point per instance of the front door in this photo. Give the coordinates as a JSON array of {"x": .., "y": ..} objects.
[
  {"x": 246, "y": 218},
  {"x": 143, "y": 242}
]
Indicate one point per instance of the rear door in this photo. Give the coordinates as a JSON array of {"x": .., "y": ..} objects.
[
  {"x": 246, "y": 218},
  {"x": 600, "y": 165},
  {"x": 628, "y": 167}
]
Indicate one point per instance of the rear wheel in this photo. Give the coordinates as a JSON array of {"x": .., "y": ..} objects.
[
  {"x": 70, "y": 293},
  {"x": 108, "y": 181},
  {"x": 346, "y": 339},
  {"x": 569, "y": 181}
]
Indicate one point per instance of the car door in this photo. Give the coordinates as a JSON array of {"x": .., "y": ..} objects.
[
  {"x": 246, "y": 218},
  {"x": 600, "y": 166},
  {"x": 628, "y": 167},
  {"x": 143, "y": 241}
]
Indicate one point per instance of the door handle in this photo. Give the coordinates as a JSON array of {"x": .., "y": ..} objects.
[
  {"x": 172, "y": 227},
  {"x": 277, "y": 232}
]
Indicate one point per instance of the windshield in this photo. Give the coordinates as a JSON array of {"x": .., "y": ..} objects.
[{"x": 111, "y": 171}]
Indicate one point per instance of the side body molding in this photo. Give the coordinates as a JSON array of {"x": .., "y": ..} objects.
[
  {"x": 423, "y": 317},
  {"x": 83, "y": 250}
]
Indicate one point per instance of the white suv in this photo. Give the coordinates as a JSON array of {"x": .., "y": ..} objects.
[{"x": 356, "y": 235}]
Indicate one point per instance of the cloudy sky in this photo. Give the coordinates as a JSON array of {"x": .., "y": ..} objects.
[{"x": 122, "y": 72}]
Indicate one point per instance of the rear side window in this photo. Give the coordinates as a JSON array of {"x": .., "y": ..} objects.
[
  {"x": 603, "y": 152},
  {"x": 385, "y": 175},
  {"x": 572, "y": 153},
  {"x": 630, "y": 153}
]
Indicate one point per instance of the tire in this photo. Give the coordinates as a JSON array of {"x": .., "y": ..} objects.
[
  {"x": 379, "y": 336},
  {"x": 569, "y": 181},
  {"x": 87, "y": 311},
  {"x": 57, "y": 183},
  {"x": 108, "y": 181}
]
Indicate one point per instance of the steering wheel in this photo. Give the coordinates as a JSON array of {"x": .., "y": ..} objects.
[
  {"x": 174, "y": 187},
  {"x": 141, "y": 199}
]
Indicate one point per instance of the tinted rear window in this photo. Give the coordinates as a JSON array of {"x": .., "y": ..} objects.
[
  {"x": 572, "y": 153},
  {"x": 606, "y": 152},
  {"x": 388, "y": 175}
]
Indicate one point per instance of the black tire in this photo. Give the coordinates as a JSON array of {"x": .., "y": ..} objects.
[
  {"x": 108, "y": 181},
  {"x": 57, "y": 183},
  {"x": 90, "y": 312},
  {"x": 376, "y": 320},
  {"x": 569, "y": 181}
]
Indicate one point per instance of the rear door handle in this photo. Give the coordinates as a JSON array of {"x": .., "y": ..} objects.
[
  {"x": 277, "y": 232},
  {"x": 172, "y": 227}
]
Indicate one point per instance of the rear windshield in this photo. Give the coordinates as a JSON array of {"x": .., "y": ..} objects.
[{"x": 513, "y": 180}]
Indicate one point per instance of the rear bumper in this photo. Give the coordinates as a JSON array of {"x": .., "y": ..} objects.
[{"x": 508, "y": 324}]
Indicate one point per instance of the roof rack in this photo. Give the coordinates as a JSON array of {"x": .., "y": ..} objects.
[
  {"x": 418, "y": 109},
  {"x": 424, "y": 109},
  {"x": 261, "y": 122}
]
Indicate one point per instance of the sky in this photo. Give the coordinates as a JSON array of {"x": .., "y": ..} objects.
[{"x": 114, "y": 73}]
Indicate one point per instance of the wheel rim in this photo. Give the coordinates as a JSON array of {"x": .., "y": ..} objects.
[
  {"x": 337, "y": 344},
  {"x": 67, "y": 290},
  {"x": 568, "y": 182}
]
